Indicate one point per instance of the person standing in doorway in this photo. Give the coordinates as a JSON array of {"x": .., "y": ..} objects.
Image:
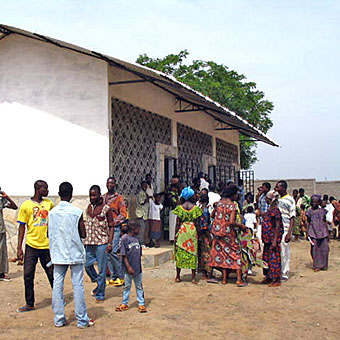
[
  {"x": 66, "y": 229},
  {"x": 117, "y": 204},
  {"x": 98, "y": 242},
  {"x": 5, "y": 202},
  {"x": 150, "y": 192},
  {"x": 149, "y": 189},
  {"x": 288, "y": 211},
  {"x": 174, "y": 193},
  {"x": 142, "y": 211},
  {"x": 33, "y": 218},
  {"x": 155, "y": 222}
]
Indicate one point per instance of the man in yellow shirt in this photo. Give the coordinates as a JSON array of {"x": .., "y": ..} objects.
[{"x": 33, "y": 218}]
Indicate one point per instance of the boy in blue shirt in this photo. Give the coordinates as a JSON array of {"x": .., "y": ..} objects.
[{"x": 131, "y": 252}]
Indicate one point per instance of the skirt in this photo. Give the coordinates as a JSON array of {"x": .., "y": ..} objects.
[
  {"x": 204, "y": 246},
  {"x": 320, "y": 252},
  {"x": 3, "y": 254},
  {"x": 185, "y": 260}
]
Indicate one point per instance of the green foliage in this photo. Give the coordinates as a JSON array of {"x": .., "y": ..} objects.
[{"x": 224, "y": 86}]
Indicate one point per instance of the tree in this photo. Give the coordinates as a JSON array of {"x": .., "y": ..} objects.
[{"x": 224, "y": 86}]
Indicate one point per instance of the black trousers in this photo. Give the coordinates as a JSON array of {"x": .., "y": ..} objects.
[{"x": 30, "y": 262}]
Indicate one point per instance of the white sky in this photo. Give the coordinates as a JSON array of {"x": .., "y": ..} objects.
[{"x": 289, "y": 48}]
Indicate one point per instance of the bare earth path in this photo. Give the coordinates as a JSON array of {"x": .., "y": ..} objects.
[{"x": 307, "y": 307}]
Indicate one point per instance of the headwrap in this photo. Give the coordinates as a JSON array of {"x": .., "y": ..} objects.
[
  {"x": 187, "y": 193},
  {"x": 273, "y": 196},
  {"x": 316, "y": 196}
]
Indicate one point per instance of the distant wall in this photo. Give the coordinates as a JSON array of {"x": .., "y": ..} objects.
[{"x": 311, "y": 186}]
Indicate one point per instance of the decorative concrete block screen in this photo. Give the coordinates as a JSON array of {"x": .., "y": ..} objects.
[
  {"x": 192, "y": 144},
  {"x": 227, "y": 158},
  {"x": 135, "y": 133}
]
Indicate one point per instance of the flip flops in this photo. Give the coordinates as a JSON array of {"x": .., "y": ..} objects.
[
  {"x": 142, "y": 309},
  {"x": 122, "y": 308},
  {"x": 24, "y": 309}
]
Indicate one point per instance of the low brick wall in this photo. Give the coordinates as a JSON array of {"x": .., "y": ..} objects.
[{"x": 311, "y": 186}]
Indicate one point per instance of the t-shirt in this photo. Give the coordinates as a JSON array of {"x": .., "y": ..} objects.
[
  {"x": 288, "y": 209},
  {"x": 213, "y": 198},
  {"x": 130, "y": 247},
  {"x": 35, "y": 216},
  {"x": 317, "y": 227},
  {"x": 250, "y": 219},
  {"x": 142, "y": 206},
  {"x": 155, "y": 210}
]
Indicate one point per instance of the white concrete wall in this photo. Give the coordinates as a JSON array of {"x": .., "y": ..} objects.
[{"x": 53, "y": 117}]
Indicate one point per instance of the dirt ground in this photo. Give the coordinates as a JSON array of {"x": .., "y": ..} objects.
[{"x": 306, "y": 307}]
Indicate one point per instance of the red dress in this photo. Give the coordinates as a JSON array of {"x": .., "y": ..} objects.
[{"x": 225, "y": 251}]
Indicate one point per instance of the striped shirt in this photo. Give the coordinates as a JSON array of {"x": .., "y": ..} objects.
[{"x": 287, "y": 208}]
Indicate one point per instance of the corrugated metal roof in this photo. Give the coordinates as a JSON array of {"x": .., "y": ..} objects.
[{"x": 166, "y": 82}]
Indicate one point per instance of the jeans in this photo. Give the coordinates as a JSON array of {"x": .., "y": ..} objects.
[
  {"x": 96, "y": 253},
  {"x": 80, "y": 310},
  {"x": 114, "y": 261},
  {"x": 139, "y": 288},
  {"x": 285, "y": 256},
  {"x": 32, "y": 255}
]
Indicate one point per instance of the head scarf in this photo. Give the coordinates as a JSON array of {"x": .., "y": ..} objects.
[
  {"x": 273, "y": 196},
  {"x": 187, "y": 193},
  {"x": 317, "y": 197}
]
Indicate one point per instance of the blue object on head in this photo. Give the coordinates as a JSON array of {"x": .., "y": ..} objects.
[{"x": 187, "y": 193}]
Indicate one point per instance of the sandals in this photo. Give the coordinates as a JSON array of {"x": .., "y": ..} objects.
[
  {"x": 241, "y": 284},
  {"x": 142, "y": 309},
  {"x": 212, "y": 280},
  {"x": 24, "y": 309},
  {"x": 122, "y": 308}
]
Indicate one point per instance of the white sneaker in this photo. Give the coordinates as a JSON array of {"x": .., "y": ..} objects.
[
  {"x": 5, "y": 278},
  {"x": 90, "y": 324}
]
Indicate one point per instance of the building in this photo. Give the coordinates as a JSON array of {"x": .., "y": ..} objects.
[{"x": 67, "y": 113}]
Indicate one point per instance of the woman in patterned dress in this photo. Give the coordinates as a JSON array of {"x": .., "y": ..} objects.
[
  {"x": 272, "y": 231},
  {"x": 225, "y": 254},
  {"x": 186, "y": 234}
]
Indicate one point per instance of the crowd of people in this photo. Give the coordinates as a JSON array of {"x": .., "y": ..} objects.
[{"x": 213, "y": 231}]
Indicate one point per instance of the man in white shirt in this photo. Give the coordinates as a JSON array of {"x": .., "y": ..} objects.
[
  {"x": 329, "y": 216},
  {"x": 288, "y": 211}
]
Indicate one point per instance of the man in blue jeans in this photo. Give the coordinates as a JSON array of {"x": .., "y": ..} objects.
[
  {"x": 66, "y": 229},
  {"x": 119, "y": 210},
  {"x": 98, "y": 242}
]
